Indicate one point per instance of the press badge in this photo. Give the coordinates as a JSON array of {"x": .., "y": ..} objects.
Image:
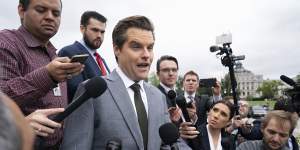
[{"x": 57, "y": 91}]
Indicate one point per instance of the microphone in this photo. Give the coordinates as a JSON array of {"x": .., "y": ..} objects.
[
  {"x": 114, "y": 144},
  {"x": 169, "y": 134},
  {"x": 172, "y": 96},
  {"x": 181, "y": 102},
  {"x": 93, "y": 88},
  {"x": 288, "y": 80},
  {"x": 214, "y": 48}
]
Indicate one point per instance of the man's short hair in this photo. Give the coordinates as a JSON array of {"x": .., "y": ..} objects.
[
  {"x": 10, "y": 136},
  {"x": 165, "y": 57},
  {"x": 85, "y": 17},
  {"x": 281, "y": 118},
  {"x": 119, "y": 33},
  {"x": 191, "y": 72},
  {"x": 25, "y": 3}
]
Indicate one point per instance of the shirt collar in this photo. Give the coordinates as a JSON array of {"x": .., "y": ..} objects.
[
  {"x": 167, "y": 89},
  {"x": 186, "y": 94},
  {"x": 91, "y": 51},
  {"x": 128, "y": 82},
  {"x": 30, "y": 40}
]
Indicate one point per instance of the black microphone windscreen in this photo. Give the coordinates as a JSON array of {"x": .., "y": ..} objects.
[
  {"x": 172, "y": 97},
  {"x": 169, "y": 133},
  {"x": 95, "y": 86},
  {"x": 288, "y": 80},
  {"x": 181, "y": 102},
  {"x": 171, "y": 94}
]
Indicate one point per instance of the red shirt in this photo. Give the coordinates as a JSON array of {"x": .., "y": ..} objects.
[{"x": 23, "y": 75}]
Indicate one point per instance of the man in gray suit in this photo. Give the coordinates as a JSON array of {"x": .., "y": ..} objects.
[{"x": 130, "y": 109}]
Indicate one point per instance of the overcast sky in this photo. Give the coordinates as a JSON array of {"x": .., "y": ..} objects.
[{"x": 267, "y": 32}]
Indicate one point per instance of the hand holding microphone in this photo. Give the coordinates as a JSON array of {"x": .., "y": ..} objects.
[
  {"x": 40, "y": 122},
  {"x": 93, "y": 88}
]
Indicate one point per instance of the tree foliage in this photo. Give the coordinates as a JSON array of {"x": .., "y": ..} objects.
[
  {"x": 153, "y": 79},
  {"x": 269, "y": 88},
  {"x": 226, "y": 85}
]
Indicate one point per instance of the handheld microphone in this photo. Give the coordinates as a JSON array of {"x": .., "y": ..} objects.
[
  {"x": 169, "y": 134},
  {"x": 114, "y": 144},
  {"x": 93, "y": 88},
  {"x": 288, "y": 80},
  {"x": 181, "y": 102},
  {"x": 172, "y": 96}
]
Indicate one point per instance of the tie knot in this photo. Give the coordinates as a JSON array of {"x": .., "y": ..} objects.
[
  {"x": 135, "y": 87},
  {"x": 96, "y": 54},
  {"x": 191, "y": 97}
]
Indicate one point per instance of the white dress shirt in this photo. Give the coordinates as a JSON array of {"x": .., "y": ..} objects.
[{"x": 128, "y": 82}]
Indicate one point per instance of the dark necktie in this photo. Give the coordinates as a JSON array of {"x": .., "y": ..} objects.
[
  {"x": 100, "y": 63},
  {"x": 141, "y": 112}
]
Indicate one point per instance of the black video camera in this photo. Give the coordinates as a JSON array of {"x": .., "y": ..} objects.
[{"x": 292, "y": 94}]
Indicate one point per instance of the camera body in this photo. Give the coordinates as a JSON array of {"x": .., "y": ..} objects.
[{"x": 293, "y": 94}]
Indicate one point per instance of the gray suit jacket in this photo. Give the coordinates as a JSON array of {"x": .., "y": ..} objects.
[{"x": 112, "y": 115}]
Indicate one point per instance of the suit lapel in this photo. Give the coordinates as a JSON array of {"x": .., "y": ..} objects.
[
  {"x": 152, "y": 123},
  {"x": 122, "y": 100}
]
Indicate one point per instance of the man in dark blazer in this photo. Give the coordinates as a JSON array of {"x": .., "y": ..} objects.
[
  {"x": 167, "y": 72},
  {"x": 130, "y": 109},
  {"x": 201, "y": 103},
  {"x": 92, "y": 27}
]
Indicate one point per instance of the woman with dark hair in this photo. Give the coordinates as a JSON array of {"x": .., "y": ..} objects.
[{"x": 211, "y": 136}]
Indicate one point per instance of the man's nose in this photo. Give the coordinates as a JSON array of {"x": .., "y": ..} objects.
[
  {"x": 276, "y": 138},
  {"x": 49, "y": 15}
]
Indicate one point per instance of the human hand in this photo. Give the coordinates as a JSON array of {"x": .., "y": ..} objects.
[
  {"x": 217, "y": 89},
  {"x": 187, "y": 131},
  {"x": 175, "y": 113},
  {"x": 61, "y": 69},
  {"x": 237, "y": 122},
  {"x": 192, "y": 112},
  {"x": 40, "y": 122}
]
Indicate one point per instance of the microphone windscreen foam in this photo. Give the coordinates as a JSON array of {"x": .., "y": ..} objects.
[
  {"x": 95, "y": 86},
  {"x": 169, "y": 133},
  {"x": 171, "y": 94}
]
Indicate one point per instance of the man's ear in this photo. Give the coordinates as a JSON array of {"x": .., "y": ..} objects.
[
  {"x": 21, "y": 11},
  {"x": 82, "y": 28},
  {"x": 116, "y": 50}
]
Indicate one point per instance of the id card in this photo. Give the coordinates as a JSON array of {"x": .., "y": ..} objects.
[{"x": 57, "y": 91}]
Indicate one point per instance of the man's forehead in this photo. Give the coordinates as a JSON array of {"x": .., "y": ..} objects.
[
  {"x": 168, "y": 63},
  {"x": 243, "y": 103},
  {"x": 53, "y": 4},
  {"x": 280, "y": 126}
]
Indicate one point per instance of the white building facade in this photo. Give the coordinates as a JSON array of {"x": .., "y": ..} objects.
[{"x": 247, "y": 81}]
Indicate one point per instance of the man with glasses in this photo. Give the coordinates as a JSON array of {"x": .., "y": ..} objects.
[{"x": 167, "y": 72}]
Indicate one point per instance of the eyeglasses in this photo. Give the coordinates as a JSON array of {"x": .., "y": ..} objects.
[{"x": 167, "y": 70}]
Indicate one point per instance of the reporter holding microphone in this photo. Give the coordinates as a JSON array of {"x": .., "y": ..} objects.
[{"x": 30, "y": 71}]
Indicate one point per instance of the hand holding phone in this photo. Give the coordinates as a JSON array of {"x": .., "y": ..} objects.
[{"x": 79, "y": 58}]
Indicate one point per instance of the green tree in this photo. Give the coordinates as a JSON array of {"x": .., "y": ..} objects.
[
  {"x": 179, "y": 84},
  {"x": 153, "y": 79},
  {"x": 298, "y": 78},
  {"x": 269, "y": 88},
  {"x": 226, "y": 85}
]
